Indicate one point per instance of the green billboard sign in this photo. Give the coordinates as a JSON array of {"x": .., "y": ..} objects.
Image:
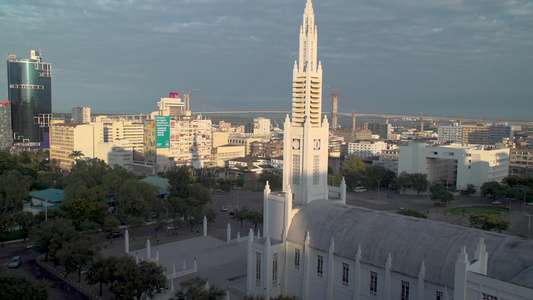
[{"x": 162, "y": 132}]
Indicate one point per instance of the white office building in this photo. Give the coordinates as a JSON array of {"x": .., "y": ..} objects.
[
  {"x": 456, "y": 164},
  {"x": 81, "y": 115},
  {"x": 366, "y": 149}
]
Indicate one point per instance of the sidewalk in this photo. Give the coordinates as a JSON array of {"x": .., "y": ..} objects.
[{"x": 115, "y": 247}]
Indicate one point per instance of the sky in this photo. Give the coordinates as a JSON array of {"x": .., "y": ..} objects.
[{"x": 440, "y": 57}]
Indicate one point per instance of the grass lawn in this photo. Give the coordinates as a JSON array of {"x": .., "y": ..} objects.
[{"x": 478, "y": 209}]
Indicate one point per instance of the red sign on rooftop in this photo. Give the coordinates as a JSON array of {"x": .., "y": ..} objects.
[{"x": 174, "y": 95}]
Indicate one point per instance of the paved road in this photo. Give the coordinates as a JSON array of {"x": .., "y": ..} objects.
[{"x": 30, "y": 269}]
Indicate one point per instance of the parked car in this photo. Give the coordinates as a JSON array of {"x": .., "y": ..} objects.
[
  {"x": 530, "y": 204},
  {"x": 496, "y": 202},
  {"x": 359, "y": 189},
  {"x": 401, "y": 207},
  {"x": 224, "y": 208},
  {"x": 113, "y": 235},
  {"x": 30, "y": 245},
  {"x": 15, "y": 261},
  {"x": 171, "y": 227}
]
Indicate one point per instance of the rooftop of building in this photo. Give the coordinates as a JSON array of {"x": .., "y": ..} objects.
[
  {"x": 410, "y": 241},
  {"x": 49, "y": 195}
]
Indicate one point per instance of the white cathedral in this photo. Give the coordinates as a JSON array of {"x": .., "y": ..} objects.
[{"x": 316, "y": 247}]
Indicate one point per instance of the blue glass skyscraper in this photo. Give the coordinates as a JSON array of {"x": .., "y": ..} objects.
[{"x": 29, "y": 86}]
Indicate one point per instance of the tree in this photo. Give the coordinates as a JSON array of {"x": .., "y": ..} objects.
[
  {"x": 111, "y": 224},
  {"x": 211, "y": 215},
  {"x": 149, "y": 279},
  {"x": 76, "y": 154},
  {"x": 491, "y": 188},
  {"x": 99, "y": 271},
  {"x": 334, "y": 179},
  {"x": 241, "y": 214},
  {"x": 274, "y": 179},
  {"x": 195, "y": 289},
  {"x": 136, "y": 199},
  {"x": 6, "y": 222},
  {"x": 419, "y": 182},
  {"x": 127, "y": 279},
  {"x": 488, "y": 222},
  {"x": 14, "y": 287},
  {"x": 512, "y": 180},
  {"x": 180, "y": 179},
  {"x": 438, "y": 192},
  {"x": 255, "y": 217},
  {"x": 83, "y": 210},
  {"x": 470, "y": 189},
  {"x": 25, "y": 220},
  {"x": 353, "y": 169},
  {"x": 14, "y": 187},
  {"x": 50, "y": 237},
  {"x": 77, "y": 254},
  {"x": 403, "y": 181}
]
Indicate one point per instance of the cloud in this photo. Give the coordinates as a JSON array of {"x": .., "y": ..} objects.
[{"x": 381, "y": 52}]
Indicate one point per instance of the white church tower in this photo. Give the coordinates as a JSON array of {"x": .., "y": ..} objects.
[
  {"x": 305, "y": 167},
  {"x": 305, "y": 160}
]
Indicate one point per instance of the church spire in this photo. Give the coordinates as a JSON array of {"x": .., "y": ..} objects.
[
  {"x": 305, "y": 158},
  {"x": 307, "y": 74}
]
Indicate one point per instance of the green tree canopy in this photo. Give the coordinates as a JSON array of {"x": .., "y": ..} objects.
[
  {"x": 419, "y": 182},
  {"x": 274, "y": 179},
  {"x": 439, "y": 193},
  {"x": 77, "y": 254},
  {"x": 491, "y": 188},
  {"x": 51, "y": 236},
  {"x": 14, "y": 187},
  {"x": 195, "y": 289},
  {"x": 127, "y": 279},
  {"x": 15, "y": 287},
  {"x": 488, "y": 222}
]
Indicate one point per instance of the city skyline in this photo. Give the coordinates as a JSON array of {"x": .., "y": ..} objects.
[{"x": 401, "y": 57}]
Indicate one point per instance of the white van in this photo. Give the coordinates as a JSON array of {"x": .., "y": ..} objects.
[{"x": 359, "y": 189}]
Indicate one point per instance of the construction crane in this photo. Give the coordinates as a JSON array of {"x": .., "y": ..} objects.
[
  {"x": 422, "y": 120},
  {"x": 354, "y": 121},
  {"x": 460, "y": 121},
  {"x": 335, "y": 106}
]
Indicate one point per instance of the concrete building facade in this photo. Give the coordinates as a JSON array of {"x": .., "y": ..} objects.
[
  {"x": 125, "y": 130},
  {"x": 68, "y": 137},
  {"x": 81, "y": 115},
  {"x": 366, "y": 149},
  {"x": 456, "y": 164},
  {"x": 6, "y": 134},
  {"x": 381, "y": 129},
  {"x": 222, "y": 154}
]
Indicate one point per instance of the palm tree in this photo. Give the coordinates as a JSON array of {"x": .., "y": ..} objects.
[{"x": 76, "y": 154}]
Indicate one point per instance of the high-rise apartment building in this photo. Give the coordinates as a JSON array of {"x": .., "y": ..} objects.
[
  {"x": 29, "y": 88},
  {"x": 474, "y": 134},
  {"x": 498, "y": 133},
  {"x": 381, "y": 129},
  {"x": 81, "y": 115},
  {"x": 6, "y": 134},
  {"x": 125, "y": 130},
  {"x": 173, "y": 107},
  {"x": 65, "y": 138}
]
